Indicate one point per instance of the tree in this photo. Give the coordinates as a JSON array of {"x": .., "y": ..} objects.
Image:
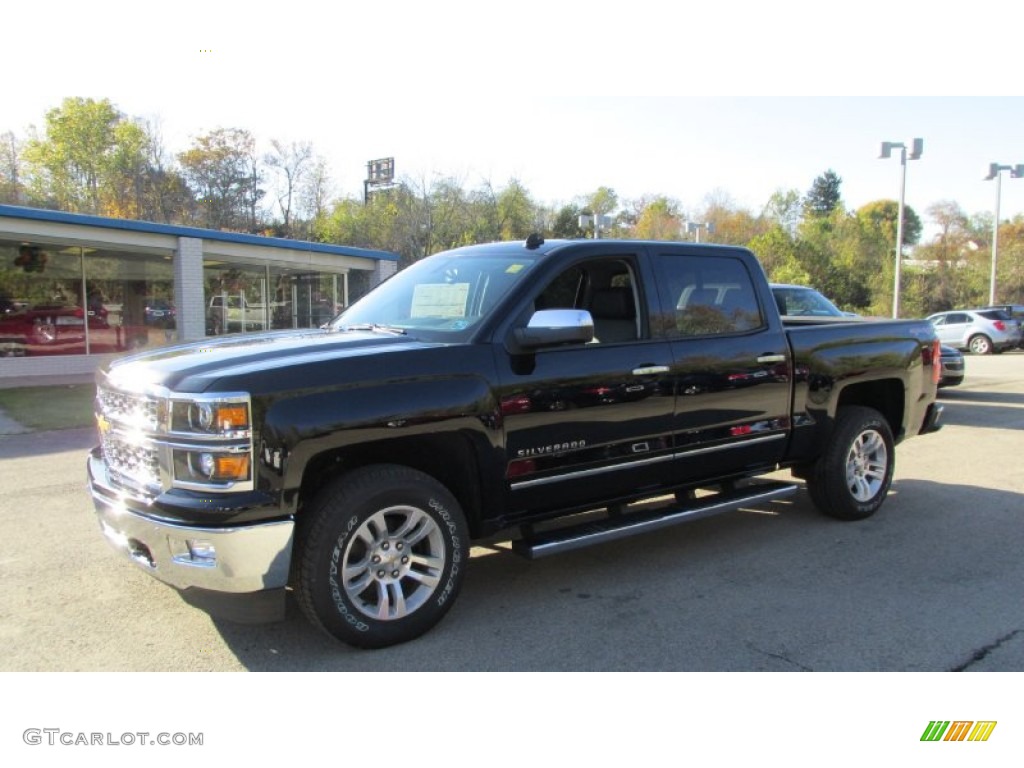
[
  {"x": 518, "y": 215},
  {"x": 290, "y": 164},
  {"x": 729, "y": 223},
  {"x": 954, "y": 272},
  {"x": 11, "y": 184},
  {"x": 315, "y": 192},
  {"x": 881, "y": 215},
  {"x": 659, "y": 219},
  {"x": 778, "y": 252},
  {"x": 566, "y": 223},
  {"x": 783, "y": 208},
  {"x": 603, "y": 201},
  {"x": 81, "y": 163},
  {"x": 823, "y": 196},
  {"x": 220, "y": 170}
]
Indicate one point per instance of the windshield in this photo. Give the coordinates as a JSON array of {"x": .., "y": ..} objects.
[
  {"x": 444, "y": 295},
  {"x": 804, "y": 301}
]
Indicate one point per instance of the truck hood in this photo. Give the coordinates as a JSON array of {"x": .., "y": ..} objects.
[{"x": 197, "y": 366}]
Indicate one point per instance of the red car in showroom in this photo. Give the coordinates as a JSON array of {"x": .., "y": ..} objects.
[{"x": 60, "y": 329}]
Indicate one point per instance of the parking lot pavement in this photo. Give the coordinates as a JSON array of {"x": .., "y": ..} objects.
[{"x": 931, "y": 583}]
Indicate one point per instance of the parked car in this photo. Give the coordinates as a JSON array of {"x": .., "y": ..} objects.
[
  {"x": 1016, "y": 311},
  {"x": 952, "y": 373},
  {"x": 60, "y": 329},
  {"x": 159, "y": 312},
  {"x": 801, "y": 301},
  {"x": 982, "y": 331}
]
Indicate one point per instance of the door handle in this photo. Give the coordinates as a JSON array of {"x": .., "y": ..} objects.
[
  {"x": 771, "y": 359},
  {"x": 647, "y": 370}
]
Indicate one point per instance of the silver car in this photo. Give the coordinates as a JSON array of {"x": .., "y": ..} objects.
[{"x": 982, "y": 331}]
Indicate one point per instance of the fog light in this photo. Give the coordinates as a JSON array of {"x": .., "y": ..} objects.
[
  {"x": 197, "y": 553},
  {"x": 207, "y": 465},
  {"x": 202, "y": 551}
]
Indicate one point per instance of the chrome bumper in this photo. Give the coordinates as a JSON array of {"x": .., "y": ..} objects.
[{"x": 240, "y": 559}]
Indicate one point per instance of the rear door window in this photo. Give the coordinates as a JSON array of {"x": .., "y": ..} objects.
[{"x": 706, "y": 296}]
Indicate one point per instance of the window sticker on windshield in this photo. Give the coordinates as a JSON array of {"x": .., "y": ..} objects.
[
  {"x": 439, "y": 300},
  {"x": 514, "y": 268}
]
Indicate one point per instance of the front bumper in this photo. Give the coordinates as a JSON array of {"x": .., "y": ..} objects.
[{"x": 235, "y": 560}]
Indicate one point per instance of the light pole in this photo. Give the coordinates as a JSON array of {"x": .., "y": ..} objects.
[
  {"x": 994, "y": 169},
  {"x": 916, "y": 148},
  {"x": 695, "y": 227},
  {"x": 599, "y": 222}
]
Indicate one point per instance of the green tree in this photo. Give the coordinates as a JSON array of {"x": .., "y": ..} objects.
[
  {"x": 881, "y": 215},
  {"x": 565, "y": 223},
  {"x": 784, "y": 208},
  {"x": 90, "y": 152},
  {"x": 11, "y": 184},
  {"x": 823, "y": 197},
  {"x": 518, "y": 215},
  {"x": 779, "y": 254}
]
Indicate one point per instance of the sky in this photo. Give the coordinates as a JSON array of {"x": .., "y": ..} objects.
[{"x": 733, "y": 103}]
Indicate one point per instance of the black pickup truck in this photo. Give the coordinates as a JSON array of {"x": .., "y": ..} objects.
[{"x": 560, "y": 394}]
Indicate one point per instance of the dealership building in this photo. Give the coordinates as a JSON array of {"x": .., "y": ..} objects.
[{"x": 76, "y": 290}]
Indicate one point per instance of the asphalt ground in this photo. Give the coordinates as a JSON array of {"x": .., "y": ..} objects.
[{"x": 931, "y": 583}]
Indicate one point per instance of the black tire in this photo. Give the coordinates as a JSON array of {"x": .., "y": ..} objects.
[
  {"x": 382, "y": 552},
  {"x": 852, "y": 477},
  {"x": 980, "y": 344}
]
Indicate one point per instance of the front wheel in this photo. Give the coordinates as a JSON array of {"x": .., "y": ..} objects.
[
  {"x": 980, "y": 344},
  {"x": 851, "y": 478},
  {"x": 382, "y": 555}
]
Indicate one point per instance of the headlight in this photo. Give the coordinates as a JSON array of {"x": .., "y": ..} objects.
[
  {"x": 207, "y": 466},
  {"x": 211, "y": 442},
  {"x": 221, "y": 417}
]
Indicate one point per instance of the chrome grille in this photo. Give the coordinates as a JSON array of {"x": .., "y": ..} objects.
[
  {"x": 138, "y": 411},
  {"x": 131, "y": 461},
  {"x": 134, "y": 460}
]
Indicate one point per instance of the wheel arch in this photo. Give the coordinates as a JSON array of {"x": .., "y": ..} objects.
[
  {"x": 887, "y": 396},
  {"x": 449, "y": 458}
]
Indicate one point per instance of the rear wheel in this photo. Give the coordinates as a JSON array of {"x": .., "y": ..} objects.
[
  {"x": 852, "y": 477},
  {"x": 980, "y": 344},
  {"x": 383, "y": 551}
]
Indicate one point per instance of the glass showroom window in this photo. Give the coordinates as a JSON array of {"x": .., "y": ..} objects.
[
  {"x": 133, "y": 295},
  {"x": 236, "y": 298},
  {"x": 69, "y": 300}
]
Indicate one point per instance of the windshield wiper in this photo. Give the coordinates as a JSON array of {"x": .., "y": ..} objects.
[{"x": 375, "y": 327}]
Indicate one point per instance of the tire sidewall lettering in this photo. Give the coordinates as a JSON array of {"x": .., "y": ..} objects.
[
  {"x": 453, "y": 537},
  {"x": 336, "y": 592}
]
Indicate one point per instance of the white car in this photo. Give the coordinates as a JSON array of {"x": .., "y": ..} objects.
[{"x": 982, "y": 331}]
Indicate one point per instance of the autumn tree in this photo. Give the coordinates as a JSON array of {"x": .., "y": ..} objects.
[
  {"x": 953, "y": 273},
  {"x": 658, "y": 219},
  {"x": 220, "y": 169}
]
